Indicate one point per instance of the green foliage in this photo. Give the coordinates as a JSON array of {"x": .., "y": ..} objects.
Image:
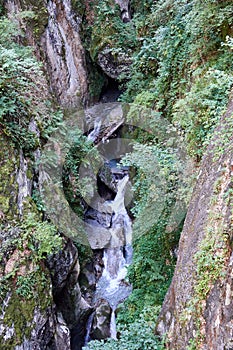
[
  {"x": 42, "y": 237},
  {"x": 31, "y": 244},
  {"x": 151, "y": 270},
  {"x": 221, "y": 137},
  {"x": 109, "y": 31},
  {"x": 25, "y": 285},
  {"x": 32, "y": 294},
  {"x": 77, "y": 187},
  {"x": 155, "y": 188},
  {"x": 139, "y": 335},
  {"x": 22, "y": 88},
  {"x": 202, "y": 107},
  {"x": 17, "y": 67},
  {"x": 183, "y": 64},
  {"x": 78, "y": 7},
  {"x": 156, "y": 169}
]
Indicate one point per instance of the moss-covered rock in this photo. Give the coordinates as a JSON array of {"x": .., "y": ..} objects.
[
  {"x": 8, "y": 171},
  {"x": 22, "y": 315},
  {"x": 40, "y": 15},
  {"x": 198, "y": 309}
]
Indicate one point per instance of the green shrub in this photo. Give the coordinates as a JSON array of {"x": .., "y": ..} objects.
[
  {"x": 139, "y": 335},
  {"x": 41, "y": 237},
  {"x": 202, "y": 107}
]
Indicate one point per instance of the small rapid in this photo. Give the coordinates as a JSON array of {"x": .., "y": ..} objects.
[
  {"x": 108, "y": 225},
  {"x": 112, "y": 285}
]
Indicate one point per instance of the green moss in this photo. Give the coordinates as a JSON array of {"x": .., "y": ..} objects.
[
  {"x": 19, "y": 313},
  {"x": 78, "y": 7},
  {"x": 210, "y": 261},
  {"x": 8, "y": 184},
  {"x": 40, "y": 19}
]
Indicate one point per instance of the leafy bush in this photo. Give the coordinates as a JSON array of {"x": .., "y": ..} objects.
[
  {"x": 138, "y": 335},
  {"x": 172, "y": 46},
  {"x": 202, "y": 107},
  {"x": 108, "y": 30},
  {"x": 22, "y": 91},
  {"x": 41, "y": 237}
]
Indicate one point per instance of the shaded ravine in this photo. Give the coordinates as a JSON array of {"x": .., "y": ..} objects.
[
  {"x": 108, "y": 213},
  {"x": 111, "y": 287}
]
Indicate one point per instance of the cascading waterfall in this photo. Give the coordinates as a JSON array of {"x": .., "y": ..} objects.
[
  {"x": 113, "y": 331},
  {"x": 108, "y": 225},
  {"x": 112, "y": 286},
  {"x": 88, "y": 328},
  {"x": 95, "y": 132}
]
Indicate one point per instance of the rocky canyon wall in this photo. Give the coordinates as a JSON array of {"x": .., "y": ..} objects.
[
  {"x": 33, "y": 290},
  {"x": 198, "y": 310},
  {"x": 53, "y": 31}
]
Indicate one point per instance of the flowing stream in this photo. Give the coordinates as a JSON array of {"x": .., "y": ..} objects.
[{"x": 112, "y": 286}]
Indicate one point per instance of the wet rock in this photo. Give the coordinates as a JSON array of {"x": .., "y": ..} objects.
[
  {"x": 90, "y": 274},
  {"x": 108, "y": 117},
  {"x": 94, "y": 216},
  {"x": 110, "y": 174},
  {"x": 98, "y": 236},
  {"x": 65, "y": 270},
  {"x": 62, "y": 265},
  {"x": 101, "y": 321},
  {"x": 62, "y": 334}
]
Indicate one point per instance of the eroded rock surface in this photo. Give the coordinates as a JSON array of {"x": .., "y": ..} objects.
[
  {"x": 55, "y": 37},
  {"x": 114, "y": 66},
  {"x": 198, "y": 308},
  {"x": 65, "y": 55}
]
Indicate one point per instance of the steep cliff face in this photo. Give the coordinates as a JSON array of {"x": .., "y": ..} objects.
[
  {"x": 65, "y": 55},
  {"x": 198, "y": 310},
  {"x": 27, "y": 315},
  {"x": 33, "y": 291},
  {"x": 41, "y": 301},
  {"x": 54, "y": 33}
]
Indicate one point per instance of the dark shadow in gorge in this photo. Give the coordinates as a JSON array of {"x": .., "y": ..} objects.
[{"x": 110, "y": 91}]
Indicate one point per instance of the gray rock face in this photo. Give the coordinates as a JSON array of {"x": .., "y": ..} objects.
[
  {"x": 101, "y": 322},
  {"x": 198, "y": 308},
  {"x": 64, "y": 53},
  {"x": 62, "y": 264},
  {"x": 125, "y": 12},
  {"x": 64, "y": 268},
  {"x": 62, "y": 334},
  {"x": 61, "y": 46},
  {"x": 114, "y": 66},
  {"x": 43, "y": 333}
]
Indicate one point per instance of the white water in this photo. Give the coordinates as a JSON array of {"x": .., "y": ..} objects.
[
  {"x": 95, "y": 132},
  {"x": 112, "y": 285},
  {"x": 88, "y": 328},
  {"x": 113, "y": 331}
]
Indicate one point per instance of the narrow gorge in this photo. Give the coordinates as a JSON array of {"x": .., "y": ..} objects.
[{"x": 116, "y": 175}]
